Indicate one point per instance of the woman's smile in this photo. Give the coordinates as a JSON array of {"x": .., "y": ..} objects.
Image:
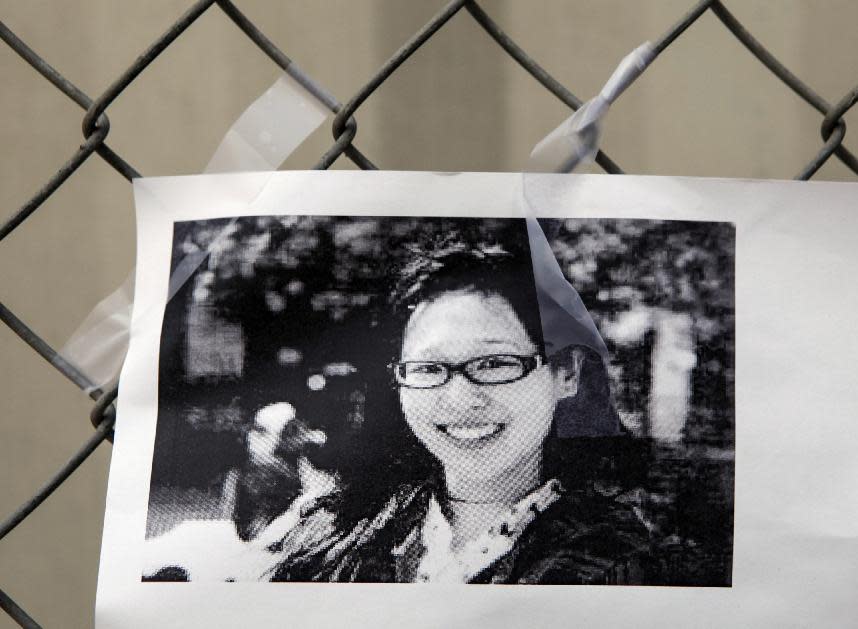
[{"x": 471, "y": 435}]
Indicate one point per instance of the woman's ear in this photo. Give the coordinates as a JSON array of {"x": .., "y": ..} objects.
[{"x": 567, "y": 366}]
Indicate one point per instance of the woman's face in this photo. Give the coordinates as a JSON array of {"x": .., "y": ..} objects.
[{"x": 483, "y": 431}]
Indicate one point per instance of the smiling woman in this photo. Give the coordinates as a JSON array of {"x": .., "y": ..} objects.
[
  {"x": 460, "y": 489},
  {"x": 388, "y": 400}
]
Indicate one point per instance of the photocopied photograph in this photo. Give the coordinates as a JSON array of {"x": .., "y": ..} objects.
[
  {"x": 372, "y": 399},
  {"x": 386, "y": 399}
]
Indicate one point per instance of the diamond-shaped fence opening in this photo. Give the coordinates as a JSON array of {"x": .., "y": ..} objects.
[{"x": 95, "y": 123}]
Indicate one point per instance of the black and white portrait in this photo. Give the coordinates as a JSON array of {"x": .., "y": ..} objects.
[{"x": 374, "y": 399}]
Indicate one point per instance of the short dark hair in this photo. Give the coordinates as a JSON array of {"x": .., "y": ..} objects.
[{"x": 448, "y": 263}]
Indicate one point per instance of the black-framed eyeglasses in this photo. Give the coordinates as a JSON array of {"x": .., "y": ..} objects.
[{"x": 491, "y": 369}]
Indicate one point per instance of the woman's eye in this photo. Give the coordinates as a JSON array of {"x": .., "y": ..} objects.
[
  {"x": 426, "y": 368},
  {"x": 496, "y": 362}
]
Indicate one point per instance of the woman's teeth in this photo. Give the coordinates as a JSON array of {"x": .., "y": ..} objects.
[{"x": 471, "y": 432}]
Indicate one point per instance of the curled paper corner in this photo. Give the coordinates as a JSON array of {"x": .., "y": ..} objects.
[
  {"x": 565, "y": 319},
  {"x": 575, "y": 141},
  {"x": 567, "y": 324}
]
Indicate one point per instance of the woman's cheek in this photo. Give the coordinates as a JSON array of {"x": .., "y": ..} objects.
[
  {"x": 529, "y": 399},
  {"x": 411, "y": 404},
  {"x": 418, "y": 409}
]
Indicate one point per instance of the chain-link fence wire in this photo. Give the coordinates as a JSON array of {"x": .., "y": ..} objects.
[{"x": 96, "y": 128}]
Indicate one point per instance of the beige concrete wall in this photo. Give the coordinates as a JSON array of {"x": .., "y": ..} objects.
[{"x": 705, "y": 108}]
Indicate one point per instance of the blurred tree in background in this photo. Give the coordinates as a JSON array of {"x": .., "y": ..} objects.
[
  {"x": 282, "y": 307},
  {"x": 637, "y": 275}
]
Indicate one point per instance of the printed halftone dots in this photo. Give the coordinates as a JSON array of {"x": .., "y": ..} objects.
[
  {"x": 274, "y": 417},
  {"x": 275, "y": 427},
  {"x": 526, "y": 422},
  {"x": 487, "y": 437}
]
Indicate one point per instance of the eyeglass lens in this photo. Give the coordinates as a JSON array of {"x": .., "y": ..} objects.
[{"x": 493, "y": 369}]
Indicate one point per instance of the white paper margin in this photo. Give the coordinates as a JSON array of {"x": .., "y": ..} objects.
[{"x": 796, "y": 512}]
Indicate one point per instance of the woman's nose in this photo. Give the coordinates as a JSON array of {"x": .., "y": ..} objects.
[{"x": 460, "y": 391}]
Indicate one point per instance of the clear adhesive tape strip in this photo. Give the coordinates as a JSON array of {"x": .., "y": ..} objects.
[
  {"x": 261, "y": 139},
  {"x": 576, "y": 140},
  {"x": 270, "y": 129},
  {"x": 565, "y": 320},
  {"x": 98, "y": 346}
]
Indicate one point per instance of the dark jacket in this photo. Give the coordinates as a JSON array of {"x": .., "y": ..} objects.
[{"x": 582, "y": 538}]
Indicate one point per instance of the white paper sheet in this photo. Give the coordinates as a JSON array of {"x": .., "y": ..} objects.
[{"x": 795, "y": 513}]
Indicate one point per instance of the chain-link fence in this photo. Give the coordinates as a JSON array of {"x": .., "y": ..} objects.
[{"x": 96, "y": 127}]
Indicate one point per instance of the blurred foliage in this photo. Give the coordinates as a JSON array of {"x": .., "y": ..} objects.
[
  {"x": 621, "y": 264},
  {"x": 306, "y": 293},
  {"x": 627, "y": 270},
  {"x": 284, "y": 309}
]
